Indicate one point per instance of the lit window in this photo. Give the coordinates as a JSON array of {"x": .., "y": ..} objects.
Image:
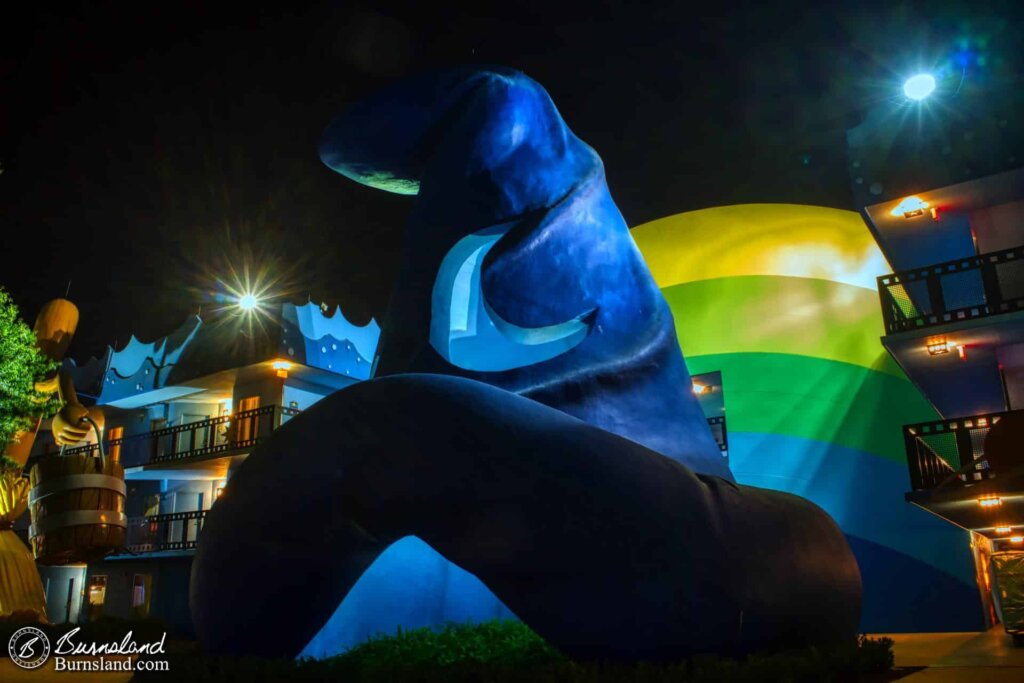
[
  {"x": 96, "y": 596},
  {"x": 114, "y": 436}
]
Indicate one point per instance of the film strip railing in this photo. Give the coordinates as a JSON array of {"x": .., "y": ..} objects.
[
  {"x": 948, "y": 452},
  {"x": 718, "y": 430},
  {"x": 156, "y": 533},
  {"x": 973, "y": 287},
  {"x": 194, "y": 439}
]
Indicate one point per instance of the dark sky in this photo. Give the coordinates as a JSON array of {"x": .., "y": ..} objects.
[{"x": 146, "y": 152}]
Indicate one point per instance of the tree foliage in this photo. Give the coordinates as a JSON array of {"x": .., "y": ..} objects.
[{"x": 21, "y": 365}]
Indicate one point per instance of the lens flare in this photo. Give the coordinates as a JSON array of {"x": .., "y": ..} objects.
[
  {"x": 919, "y": 87},
  {"x": 248, "y": 302}
]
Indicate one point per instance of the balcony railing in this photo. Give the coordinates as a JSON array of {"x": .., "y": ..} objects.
[
  {"x": 949, "y": 453},
  {"x": 155, "y": 533},
  {"x": 212, "y": 436},
  {"x": 973, "y": 287}
]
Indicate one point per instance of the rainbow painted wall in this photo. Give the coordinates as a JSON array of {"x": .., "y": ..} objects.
[{"x": 782, "y": 300}]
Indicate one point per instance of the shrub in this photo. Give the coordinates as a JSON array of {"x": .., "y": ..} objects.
[{"x": 501, "y": 651}]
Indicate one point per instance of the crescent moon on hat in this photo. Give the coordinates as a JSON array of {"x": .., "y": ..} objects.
[{"x": 470, "y": 335}]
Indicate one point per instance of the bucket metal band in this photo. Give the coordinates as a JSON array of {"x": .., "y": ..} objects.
[
  {"x": 76, "y": 481},
  {"x": 77, "y": 518}
]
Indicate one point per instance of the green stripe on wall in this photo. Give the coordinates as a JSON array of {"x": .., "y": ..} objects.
[
  {"x": 778, "y": 314},
  {"x": 816, "y": 398}
]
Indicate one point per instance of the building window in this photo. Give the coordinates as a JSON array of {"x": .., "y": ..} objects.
[
  {"x": 114, "y": 436},
  {"x": 142, "y": 585},
  {"x": 96, "y": 595},
  {"x": 248, "y": 427},
  {"x": 151, "y": 505}
]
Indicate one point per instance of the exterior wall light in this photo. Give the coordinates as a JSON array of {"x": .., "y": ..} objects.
[
  {"x": 990, "y": 501},
  {"x": 938, "y": 346},
  {"x": 282, "y": 367},
  {"x": 919, "y": 87},
  {"x": 910, "y": 207},
  {"x": 248, "y": 302}
]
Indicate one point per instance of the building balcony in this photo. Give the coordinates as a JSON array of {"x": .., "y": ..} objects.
[
  {"x": 719, "y": 431},
  {"x": 175, "y": 531},
  {"x": 955, "y": 291},
  {"x": 213, "y": 437},
  {"x": 957, "y": 330},
  {"x": 951, "y": 476}
]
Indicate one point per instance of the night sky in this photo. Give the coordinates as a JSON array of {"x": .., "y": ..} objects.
[{"x": 148, "y": 152}]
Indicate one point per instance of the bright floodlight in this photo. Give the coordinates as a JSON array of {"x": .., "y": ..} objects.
[
  {"x": 919, "y": 87},
  {"x": 247, "y": 302}
]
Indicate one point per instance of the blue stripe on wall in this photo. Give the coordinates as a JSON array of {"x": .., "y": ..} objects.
[
  {"x": 904, "y": 595},
  {"x": 929, "y": 582}
]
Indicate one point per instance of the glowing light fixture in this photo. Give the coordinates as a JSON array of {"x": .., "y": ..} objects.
[
  {"x": 938, "y": 345},
  {"x": 700, "y": 388},
  {"x": 910, "y": 207},
  {"x": 248, "y": 302},
  {"x": 282, "y": 367},
  {"x": 919, "y": 87},
  {"x": 1003, "y": 529},
  {"x": 990, "y": 501},
  {"x": 1016, "y": 539}
]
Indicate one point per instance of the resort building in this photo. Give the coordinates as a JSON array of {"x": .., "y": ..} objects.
[
  {"x": 181, "y": 413},
  {"x": 954, "y": 321}
]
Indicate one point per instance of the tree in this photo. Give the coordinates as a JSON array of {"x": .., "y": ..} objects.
[{"x": 21, "y": 366}]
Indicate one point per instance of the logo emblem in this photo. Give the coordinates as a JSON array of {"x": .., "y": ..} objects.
[{"x": 29, "y": 647}]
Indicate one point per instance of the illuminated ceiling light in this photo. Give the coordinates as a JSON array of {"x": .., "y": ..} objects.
[
  {"x": 700, "y": 388},
  {"x": 910, "y": 207},
  {"x": 282, "y": 367},
  {"x": 248, "y": 302},
  {"x": 919, "y": 87},
  {"x": 1003, "y": 529},
  {"x": 990, "y": 501},
  {"x": 1016, "y": 539},
  {"x": 938, "y": 346}
]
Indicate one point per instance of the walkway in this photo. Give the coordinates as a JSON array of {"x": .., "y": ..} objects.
[{"x": 953, "y": 657}]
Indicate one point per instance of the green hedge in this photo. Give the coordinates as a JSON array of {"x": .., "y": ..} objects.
[{"x": 510, "y": 651}]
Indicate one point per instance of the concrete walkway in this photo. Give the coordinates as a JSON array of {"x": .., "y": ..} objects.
[{"x": 969, "y": 657}]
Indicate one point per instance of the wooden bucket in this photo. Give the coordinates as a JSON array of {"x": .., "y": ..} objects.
[{"x": 77, "y": 508}]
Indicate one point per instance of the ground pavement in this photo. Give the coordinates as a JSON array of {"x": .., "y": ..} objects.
[{"x": 953, "y": 657}]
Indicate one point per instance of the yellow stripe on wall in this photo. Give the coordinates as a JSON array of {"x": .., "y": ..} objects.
[
  {"x": 765, "y": 314},
  {"x": 761, "y": 239}
]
